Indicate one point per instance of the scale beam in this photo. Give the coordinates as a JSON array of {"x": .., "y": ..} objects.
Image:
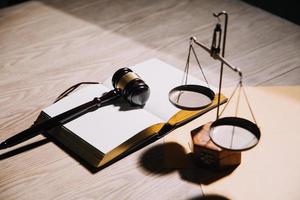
[{"x": 218, "y": 57}]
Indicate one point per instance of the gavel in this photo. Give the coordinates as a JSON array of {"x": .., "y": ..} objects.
[
  {"x": 126, "y": 83},
  {"x": 131, "y": 86}
]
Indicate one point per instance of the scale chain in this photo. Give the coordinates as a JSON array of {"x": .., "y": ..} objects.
[
  {"x": 247, "y": 100},
  {"x": 199, "y": 65}
]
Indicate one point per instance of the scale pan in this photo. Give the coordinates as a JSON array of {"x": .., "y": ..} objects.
[
  {"x": 235, "y": 134},
  {"x": 191, "y": 97}
]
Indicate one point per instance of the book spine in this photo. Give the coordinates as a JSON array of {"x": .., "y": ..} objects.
[{"x": 165, "y": 130}]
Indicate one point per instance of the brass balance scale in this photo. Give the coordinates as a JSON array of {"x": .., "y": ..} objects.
[{"x": 229, "y": 133}]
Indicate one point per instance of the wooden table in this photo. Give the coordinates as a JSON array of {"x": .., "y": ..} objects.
[
  {"x": 47, "y": 46},
  {"x": 268, "y": 171}
]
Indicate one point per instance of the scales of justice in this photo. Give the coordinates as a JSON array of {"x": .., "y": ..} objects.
[{"x": 231, "y": 134}]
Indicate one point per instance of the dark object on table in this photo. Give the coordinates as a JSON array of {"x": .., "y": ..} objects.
[
  {"x": 6, "y": 3},
  {"x": 286, "y": 9}
]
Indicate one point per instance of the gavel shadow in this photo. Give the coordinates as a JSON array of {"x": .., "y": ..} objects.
[
  {"x": 159, "y": 160},
  {"x": 23, "y": 149}
]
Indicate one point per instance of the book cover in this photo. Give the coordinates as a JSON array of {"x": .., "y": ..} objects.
[{"x": 112, "y": 131}]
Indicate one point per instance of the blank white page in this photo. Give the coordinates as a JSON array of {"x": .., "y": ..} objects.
[
  {"x": 161, "y": 78},
  {"x": 107, "y": 127}
]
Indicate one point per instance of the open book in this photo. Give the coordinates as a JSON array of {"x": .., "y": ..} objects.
[{"x": 103, "y": 135}]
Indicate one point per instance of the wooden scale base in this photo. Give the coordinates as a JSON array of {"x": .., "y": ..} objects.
[{"x": 207, "y": 154}]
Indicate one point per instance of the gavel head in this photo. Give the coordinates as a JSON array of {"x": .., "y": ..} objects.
[{"x": 133, "y": 88}]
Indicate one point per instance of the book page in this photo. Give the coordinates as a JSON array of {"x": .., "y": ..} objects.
[
  {"x": 107, "y": 127},
  {"x": 161, "y": 78}
]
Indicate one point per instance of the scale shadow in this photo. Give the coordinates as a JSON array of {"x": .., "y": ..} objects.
[
  {"x": 154, "y": 160},
  {"x": 210, "y": 197}
]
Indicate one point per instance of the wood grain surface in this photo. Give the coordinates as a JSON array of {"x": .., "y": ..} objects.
[{"x": 46, "y": 46}]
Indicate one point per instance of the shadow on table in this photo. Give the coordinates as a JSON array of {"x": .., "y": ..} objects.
[
  {"x": 210, "y": 197},
  {"x": 23, "y": 149},
  {"x": 155, "y": 161},
  {"x": 31, "y": 146}
]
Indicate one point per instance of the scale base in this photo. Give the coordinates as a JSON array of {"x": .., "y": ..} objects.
[{"x": 207, "y": 154}]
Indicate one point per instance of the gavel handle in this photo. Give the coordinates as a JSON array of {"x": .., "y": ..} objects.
[{"x": 60, "y": 119}]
